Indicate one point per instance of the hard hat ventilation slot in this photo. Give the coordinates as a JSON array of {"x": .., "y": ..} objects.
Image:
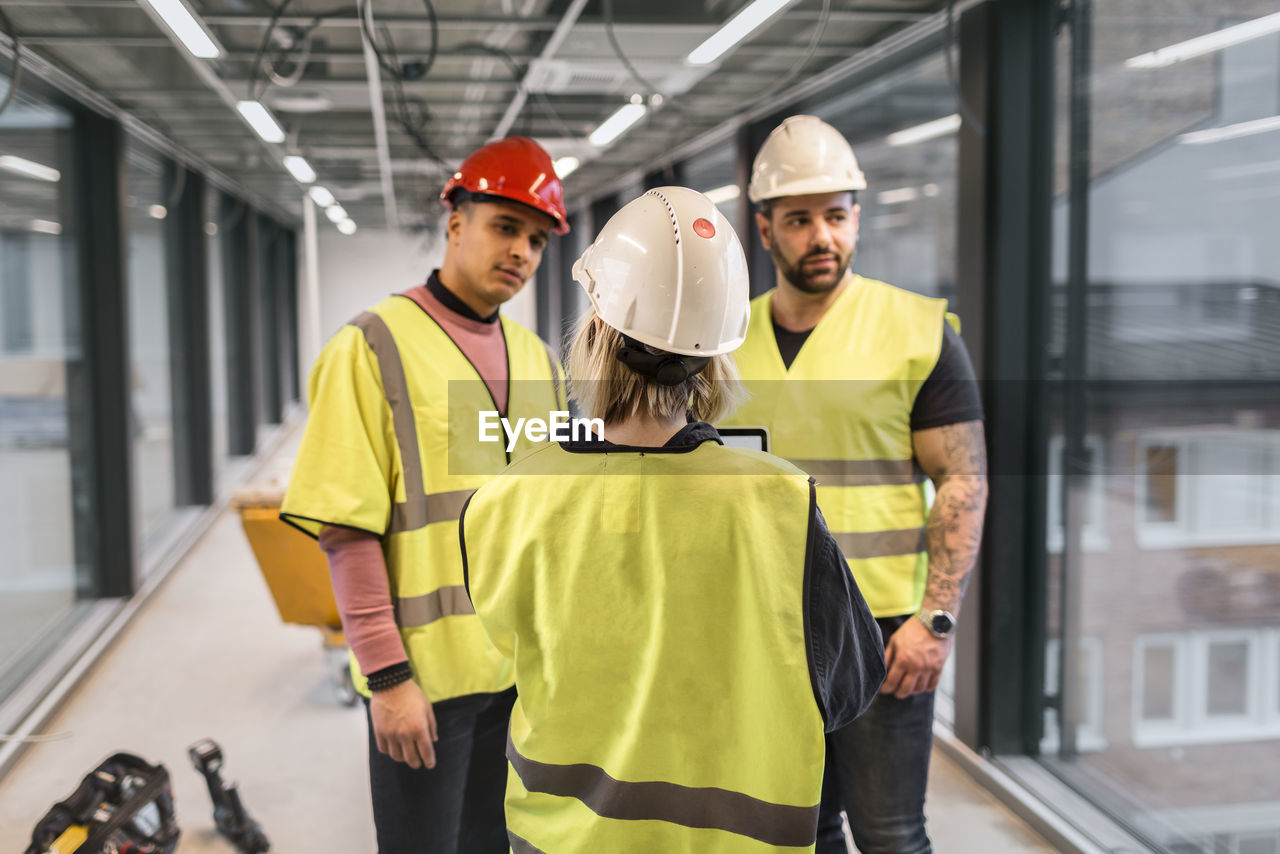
[{"x": 671, "y": 212}]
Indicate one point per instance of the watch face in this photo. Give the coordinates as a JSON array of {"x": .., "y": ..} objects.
[{"x": 941, "y": 622}]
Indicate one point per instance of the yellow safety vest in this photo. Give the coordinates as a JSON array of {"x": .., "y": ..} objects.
[
  {"x": 391, "y": 447},
  {"x": 654, "y": 605},
  {"x": 842, "y": 413}
]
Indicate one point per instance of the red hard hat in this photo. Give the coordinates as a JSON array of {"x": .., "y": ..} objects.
[{"x": 515, "y": 168}]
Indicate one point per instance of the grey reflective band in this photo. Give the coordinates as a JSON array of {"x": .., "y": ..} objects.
[
  {"x": 712, "y": 808},
  {"x": 862, "y": 472},
  {"x": 522, "y": 846},
  {"x": 421, "y": 510},
  {"x": 418, "y": 509},
  {"x": 868, "y": 544},
  {"x": 396, "y": 389},
  {"x": 415, "y": 611}
]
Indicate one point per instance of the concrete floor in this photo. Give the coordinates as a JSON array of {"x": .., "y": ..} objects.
[{"x": 207, "y": 656}]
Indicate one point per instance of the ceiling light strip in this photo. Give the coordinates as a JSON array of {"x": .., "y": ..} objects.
[
  {"x": 617, "y": 124},
  {"x": 186, "y": 28},
  {"x": 737, "y": 28},
  {"x": 1208, "y": 43}
]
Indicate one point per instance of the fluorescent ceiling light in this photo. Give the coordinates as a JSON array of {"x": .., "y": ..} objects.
[
  {"x": 157, "y": 212},
  {"x": 898, "y": 196},
  {"x": 617, "y": 124},
  {"x": 261, "y": 120},
  {"x": 720, "y": 195},
  {"x": 335, "y": 213},
  {"x": 347, "y": 227},
  {"x": 299, "y": 168},
  {"x": 321, "y": 196},
  {"x": 928, "y": 130},
  {"x": 735, "y": 30},
  {"x": 188, "y": 30},
  {"x": 566, "y": 165},
  {"x": 1200, "y": 137},
  {"x": 46, "y": 226},
  {"x": 1182, "y": 51},
  {"x": 29, "y": 168}
]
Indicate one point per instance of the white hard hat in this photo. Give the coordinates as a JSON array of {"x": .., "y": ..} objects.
[
  {"x": 668, "y": 271},
  {"x": 804, "y": 155}
]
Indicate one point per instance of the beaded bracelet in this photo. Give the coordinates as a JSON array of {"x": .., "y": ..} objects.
[{"x": 389, "y": 677}]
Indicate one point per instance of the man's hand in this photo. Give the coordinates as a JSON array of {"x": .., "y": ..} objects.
[
  {"x": 404, "y": 724},
  {"x": 913, "y": 658}
]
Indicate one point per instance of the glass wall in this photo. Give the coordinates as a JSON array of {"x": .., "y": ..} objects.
[
  {"x": 1165, "y": 554},
  {"x": 151, "y": 399},
  {"x": 217, "y": 335},
  {"x": 39, "y": 337},
  {"x": 903, "y": 130}
]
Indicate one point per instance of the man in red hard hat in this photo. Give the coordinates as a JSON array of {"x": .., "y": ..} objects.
[{"x": 386, "y": 464}]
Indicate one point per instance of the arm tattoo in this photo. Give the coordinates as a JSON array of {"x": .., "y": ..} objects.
[{"x": 954, "y": 530}]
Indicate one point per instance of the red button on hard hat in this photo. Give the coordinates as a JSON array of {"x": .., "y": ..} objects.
[
  {"x": 515, "y": 168},
  {"x": 704, "y": 228}
]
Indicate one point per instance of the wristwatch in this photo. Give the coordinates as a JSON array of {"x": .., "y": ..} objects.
[{"x": 940, "y": 623}]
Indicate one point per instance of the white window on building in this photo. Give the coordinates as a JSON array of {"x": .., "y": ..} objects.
[
  {"x": 1206, "y": 687},
  {"x": 1208, "y": 488}
]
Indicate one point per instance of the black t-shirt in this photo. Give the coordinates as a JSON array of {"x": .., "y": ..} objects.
[{"x": 949, "y": 395}]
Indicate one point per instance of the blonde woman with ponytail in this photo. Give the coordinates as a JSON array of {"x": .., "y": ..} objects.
[{"x": 683, "y": 626}]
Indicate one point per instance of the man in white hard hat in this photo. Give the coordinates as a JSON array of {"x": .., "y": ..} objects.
[
  {"x": 675, "y": 678},
  {"x": 868, "y": 388}
]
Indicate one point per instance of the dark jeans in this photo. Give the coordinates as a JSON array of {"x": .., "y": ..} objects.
[
  {"x": 456, "y": 807},
  {"x": 877, "y": 770}
]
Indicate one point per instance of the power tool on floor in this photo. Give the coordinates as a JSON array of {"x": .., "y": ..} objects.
[
  {"x": 228, "y": 812},
  {"x": 123, "y": 805}
]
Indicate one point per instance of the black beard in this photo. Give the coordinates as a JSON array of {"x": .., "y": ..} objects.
[{"x": 803, "y": 283}]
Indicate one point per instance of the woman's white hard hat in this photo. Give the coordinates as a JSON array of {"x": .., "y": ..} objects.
[
  {"x": 668, "y": 270},
  {"x": 804, "y": 155}
]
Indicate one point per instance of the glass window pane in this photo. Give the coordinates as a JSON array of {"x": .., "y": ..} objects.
[
  {"x": 1157, "y": 682},
  {"x": 39, "y": 350},
  {"x": 151, "y": 400},
  {"x": 1179, "y": 303},
  {"x": 1162, "y": 483},
  {"x": 217, "y": 332},
  {"x": 907, "y": 230},
  {"x": 1228, "y": 664}
]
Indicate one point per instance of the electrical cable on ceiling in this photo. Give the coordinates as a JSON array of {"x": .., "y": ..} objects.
[
  {"x": 518, "y": 76},
  {"x": 300, "y": 64},
  {"x": 961, "y": 103},
  {"x": 16, "y": 77},
  {"x": 254, "y": 94},
  {"x": 394, "y": 69},
  {"x": 814, "y": 39},
  {"x": 650, "y": 89}
]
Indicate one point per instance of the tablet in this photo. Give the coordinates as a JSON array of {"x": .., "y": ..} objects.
[{"x": 755, "y": 438}]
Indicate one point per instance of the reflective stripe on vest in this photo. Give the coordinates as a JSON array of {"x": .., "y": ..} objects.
[
  {"x": 646, "y": 594},
  {"x": 687, "y": 806},
  {"x": 842, "y": 413},
  {"x": 433, "y": 462}
]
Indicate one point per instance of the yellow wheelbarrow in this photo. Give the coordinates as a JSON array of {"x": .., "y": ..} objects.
[{"x": 297, "y": 574}]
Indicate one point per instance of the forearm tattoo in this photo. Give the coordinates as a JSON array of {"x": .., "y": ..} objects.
[{"x": 955, "y": 523}]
